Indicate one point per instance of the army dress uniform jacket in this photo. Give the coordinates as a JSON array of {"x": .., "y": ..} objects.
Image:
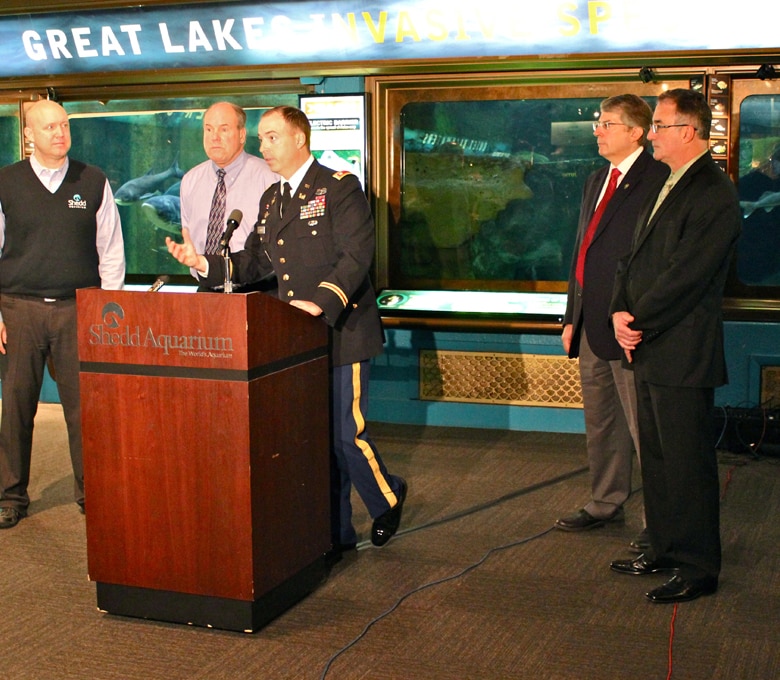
[{"x": 321, "y": 250}]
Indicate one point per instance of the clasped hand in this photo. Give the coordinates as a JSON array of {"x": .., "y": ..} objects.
[{"x": 627, "y": 337}]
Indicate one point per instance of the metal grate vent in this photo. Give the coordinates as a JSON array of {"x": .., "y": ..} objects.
[
  {"x": 499, "y": 378},
  {"x": 770, "y": 386}
]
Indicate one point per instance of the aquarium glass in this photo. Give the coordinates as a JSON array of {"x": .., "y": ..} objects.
[
  {"x": 758, "y": 252},
  {"x": 9, "y": 134},
  {"x": 158, "y": 140},
  {"x": 491, "y": 190}
]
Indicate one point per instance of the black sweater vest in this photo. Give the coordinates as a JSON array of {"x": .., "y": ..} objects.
[{"x": 50, "y": 248}]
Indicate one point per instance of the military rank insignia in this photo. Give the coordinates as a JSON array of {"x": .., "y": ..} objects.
[{"x": 341, "y": 174}]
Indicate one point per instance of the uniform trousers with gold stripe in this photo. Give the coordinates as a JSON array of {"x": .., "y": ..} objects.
[{"x": 358, "y": 461}]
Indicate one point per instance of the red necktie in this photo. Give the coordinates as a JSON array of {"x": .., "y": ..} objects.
[{"x": 594, "y": 222}]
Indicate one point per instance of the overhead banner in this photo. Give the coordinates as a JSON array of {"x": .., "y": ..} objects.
[{"x": 276, "y": 33}]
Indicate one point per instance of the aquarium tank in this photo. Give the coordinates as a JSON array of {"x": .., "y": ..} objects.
[{"x": 145, "y": 147}]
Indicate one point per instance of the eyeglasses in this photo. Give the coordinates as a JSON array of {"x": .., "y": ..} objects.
[
  {"x": 655, "y": 127},
  {"x": 606, "y": 124}
]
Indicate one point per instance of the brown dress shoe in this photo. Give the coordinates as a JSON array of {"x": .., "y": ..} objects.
[{"x": 9, "y": 517}]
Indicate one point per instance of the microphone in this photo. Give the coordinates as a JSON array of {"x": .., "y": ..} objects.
[
  {"x": 232, "y": 224},
  {"x": 159, "y": 283}
]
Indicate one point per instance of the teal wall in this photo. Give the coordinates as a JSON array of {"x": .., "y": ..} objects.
[
  {"x": 749, "y": 346},
  {"x": 394, "y": 391},
  {"x": 394, "y": 395}
]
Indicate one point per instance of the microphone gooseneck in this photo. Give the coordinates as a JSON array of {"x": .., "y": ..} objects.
[{"x": 159, "y": 283}]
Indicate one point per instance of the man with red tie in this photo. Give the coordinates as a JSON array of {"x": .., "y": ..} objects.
[{"x": 611, "y": 201}]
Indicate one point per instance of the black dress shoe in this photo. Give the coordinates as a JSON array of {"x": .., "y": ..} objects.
[
  {"x": 9, "y": 517},
  {"x": 638, "y": 566},
  {"x": 387, "y": 523},
  {"x": 679, "y": 589},
  {"x": 641, "y": 543},
  {"x": 582, "y": 520}
]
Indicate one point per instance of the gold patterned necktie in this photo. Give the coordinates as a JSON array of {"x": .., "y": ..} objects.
[{"x": 216, "y": 215}]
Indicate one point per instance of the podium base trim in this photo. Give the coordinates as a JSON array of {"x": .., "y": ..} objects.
[{"x": 246, "y": 616}]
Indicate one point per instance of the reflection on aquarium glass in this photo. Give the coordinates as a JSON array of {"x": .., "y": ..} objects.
[
  {"x": 9, "y": 134},
  {"x": 490, "y": 190},
  {"x": 758, "y": 252},
  {"x": 145, "y": 147}
]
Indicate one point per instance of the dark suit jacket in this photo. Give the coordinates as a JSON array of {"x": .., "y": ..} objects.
[
  {"x": 672, "y": 282},
  {"x": 589, "y": 308},
  {"x": 321, "y": 251}
]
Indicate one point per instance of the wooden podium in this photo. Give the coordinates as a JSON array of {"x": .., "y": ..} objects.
[{"x": 206, "y": 454}]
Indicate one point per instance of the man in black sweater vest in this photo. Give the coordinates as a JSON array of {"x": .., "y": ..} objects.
[{"x": 59, "y": 231}]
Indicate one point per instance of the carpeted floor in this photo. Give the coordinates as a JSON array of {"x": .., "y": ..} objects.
[{"x": 476, "y": 586}]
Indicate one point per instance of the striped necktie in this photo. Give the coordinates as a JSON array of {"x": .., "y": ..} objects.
[{"x": 216, "y": 215}]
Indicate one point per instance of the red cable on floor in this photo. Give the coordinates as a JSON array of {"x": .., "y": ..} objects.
[
  {"x": 727, "y": 482},
  {"x": 674, "y": 611},
  {"x": 671, "y": 641}
]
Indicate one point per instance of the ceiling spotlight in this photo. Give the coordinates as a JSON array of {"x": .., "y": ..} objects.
[
  {"x": 766, "y": 72},
  {"x": 646, "y": 74}
]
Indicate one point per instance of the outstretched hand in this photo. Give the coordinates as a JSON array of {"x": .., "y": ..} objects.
[{"x": 185, "y": 252}]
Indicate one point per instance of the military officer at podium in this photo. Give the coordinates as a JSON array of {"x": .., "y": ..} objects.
[{"x": 315, "y": 233}]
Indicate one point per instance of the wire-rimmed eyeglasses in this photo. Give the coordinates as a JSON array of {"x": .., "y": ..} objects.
[
  {"x": 655, "y": 127},
  {"x": 605, "y": 124}
]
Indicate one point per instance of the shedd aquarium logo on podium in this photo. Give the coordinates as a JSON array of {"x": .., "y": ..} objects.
[{"x": 115, "y": 332}]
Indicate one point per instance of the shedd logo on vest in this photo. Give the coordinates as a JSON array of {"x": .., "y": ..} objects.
[
  {"x": 113, "y": 332},
  {"x": 77, "y": 202}
]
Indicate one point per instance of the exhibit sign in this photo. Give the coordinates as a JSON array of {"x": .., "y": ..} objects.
[{"x": 230, "y": 34}]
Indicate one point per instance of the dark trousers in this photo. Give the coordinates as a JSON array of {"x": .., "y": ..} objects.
[
  {"x": 357, "y": 461},
  {"x": 36, "y": 330},
  {"x": 680, "y": 477}
]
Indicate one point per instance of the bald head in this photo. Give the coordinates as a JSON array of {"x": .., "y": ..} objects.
[{"x": 47, "y": 128}]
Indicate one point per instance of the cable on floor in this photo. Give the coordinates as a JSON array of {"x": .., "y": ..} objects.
[
  {"x": 451, "y": 518},
  {"x": 485, "y": 506},
  {"x": 727, "y": 481},
  {"x": 671, "y": 641},
  {"x": 425, "y": 586}
]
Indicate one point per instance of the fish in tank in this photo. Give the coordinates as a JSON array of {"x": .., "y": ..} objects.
[
  {"x": 491, "y": 189},
  {"x": 145, "y": 147}
]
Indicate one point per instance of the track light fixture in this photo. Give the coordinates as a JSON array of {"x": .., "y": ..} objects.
[
  {"x": 646, "y": 74},
  {"x": 766, "y": 72}
]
